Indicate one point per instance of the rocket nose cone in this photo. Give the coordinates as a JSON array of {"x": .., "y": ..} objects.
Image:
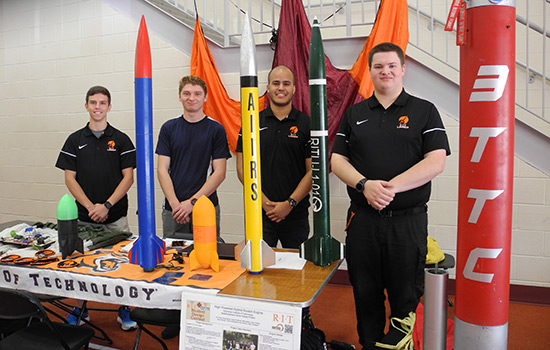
[
  {"x": 248, "y": 50},
  {"x": 204, "y": 213},
  {"x": 66, "y": 208},
  {"x": 143, "y": 52},
  {"x": 143, "y": 35}
]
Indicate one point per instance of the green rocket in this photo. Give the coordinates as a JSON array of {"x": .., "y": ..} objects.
[{"x": 321, "y": 249}]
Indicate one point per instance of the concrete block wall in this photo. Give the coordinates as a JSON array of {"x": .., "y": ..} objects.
[{"x": 51, "y": 52}]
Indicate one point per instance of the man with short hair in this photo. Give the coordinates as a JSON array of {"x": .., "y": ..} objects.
[
  {"x": 285, "y": 163},
  {"x": 387, "y": 150},
  {"x": 192, "y": 156},
  {"x": 99, "y": 161}
]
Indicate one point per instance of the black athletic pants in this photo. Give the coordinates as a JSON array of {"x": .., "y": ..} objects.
[
  {"x": 385, "y": 250},
  {"x": 291, "y": 232}
]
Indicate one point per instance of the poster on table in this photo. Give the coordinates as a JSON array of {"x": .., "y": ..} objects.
[{"x": 228, "y": 323}]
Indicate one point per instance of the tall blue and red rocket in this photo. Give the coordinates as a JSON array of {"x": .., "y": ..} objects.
[{"x": 148, "y": 251}]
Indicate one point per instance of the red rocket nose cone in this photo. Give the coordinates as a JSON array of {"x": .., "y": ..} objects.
[{"x": 143, "y": 52}]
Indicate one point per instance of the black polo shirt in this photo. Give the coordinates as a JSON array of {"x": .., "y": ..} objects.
[
  {"x": 98, "y": 164},
  {"x": 284, "y": 148},
  {"x": 382, "y": 143}
]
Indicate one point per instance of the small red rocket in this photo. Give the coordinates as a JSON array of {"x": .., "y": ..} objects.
[{"x": 148, "y": 251}]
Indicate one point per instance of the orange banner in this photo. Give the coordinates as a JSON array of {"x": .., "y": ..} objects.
[
  {"x": 219, "y": 105},
  {"x": 391, "y": 25}
]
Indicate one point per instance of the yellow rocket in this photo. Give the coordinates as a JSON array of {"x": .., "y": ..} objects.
[{"x": 254, "y": 253}]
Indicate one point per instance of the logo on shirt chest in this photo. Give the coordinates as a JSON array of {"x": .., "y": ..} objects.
[
  {"x": 293, "y": 132},
  {"x": 111, "y": 146},
  {"x": 403, "y": 121}
]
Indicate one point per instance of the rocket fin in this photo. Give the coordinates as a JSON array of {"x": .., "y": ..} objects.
[
  {"x": 244, "y": 255},
  {"x": 268, "y": 254},
  {"x": 147, "y": 251},
  {"x": 322, "y": 250},
  {"x": 193, "y": 261},
  {"x": 215, "y": 262},
  {"x": 79, "y": 245}
]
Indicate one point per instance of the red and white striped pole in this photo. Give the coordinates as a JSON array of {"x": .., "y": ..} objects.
[{"x": 487, "y": 87}]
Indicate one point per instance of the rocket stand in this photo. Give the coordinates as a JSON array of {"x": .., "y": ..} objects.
[
  {"x": 435, "y": 304},
  {"x": 435, "y": 309}
]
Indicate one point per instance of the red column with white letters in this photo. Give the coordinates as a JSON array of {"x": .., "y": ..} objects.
[{"x": 487, "y": 88}]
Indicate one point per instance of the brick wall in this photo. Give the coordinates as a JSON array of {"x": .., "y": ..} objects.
[{"x": 51, "y": 54}]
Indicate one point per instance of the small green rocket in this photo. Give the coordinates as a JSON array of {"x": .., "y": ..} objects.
[{"x": 67, "y": 227}]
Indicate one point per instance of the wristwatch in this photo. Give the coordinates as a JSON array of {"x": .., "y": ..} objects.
[
  {"x": 360, "y": 186},
  {"x": 292, "y": 202},
  {"x": 193, "y": 201},
  {"x": 108, "y": 205}
]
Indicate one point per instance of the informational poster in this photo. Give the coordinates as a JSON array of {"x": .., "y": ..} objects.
[{"x": 229, "y": 323}]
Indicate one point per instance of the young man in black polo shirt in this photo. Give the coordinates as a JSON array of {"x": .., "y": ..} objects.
[
  {"x": 285, "y": 163},
  {"x": 387, "y": 150},
  {"x": 99, "y": 161}
]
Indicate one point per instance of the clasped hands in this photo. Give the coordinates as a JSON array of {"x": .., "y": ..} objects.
[
  {"x": 182, "y": 211},
  {"x": 98, "y": 213},
  {"x": 379, "y": 193},
  {"x": 276, "y": 211}
]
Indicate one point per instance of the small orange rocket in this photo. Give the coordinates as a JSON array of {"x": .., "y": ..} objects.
[{"x": 205, "y": 252}]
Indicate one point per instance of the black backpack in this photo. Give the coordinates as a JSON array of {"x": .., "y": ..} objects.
[{"x": 312, "y": 338}]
